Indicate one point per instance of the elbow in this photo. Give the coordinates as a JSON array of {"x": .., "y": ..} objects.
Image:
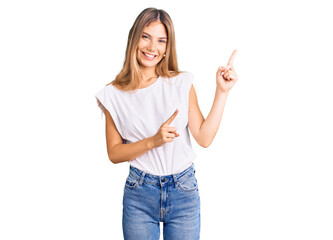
[
  {"x": 205, "y": 145},
  {"x": 112, "y": 156},
  {"x": 203, "y": 142},
  {"x": 112, "y": 159}
]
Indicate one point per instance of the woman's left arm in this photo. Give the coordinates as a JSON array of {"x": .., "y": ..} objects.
[{"x": 204, "y": 130}]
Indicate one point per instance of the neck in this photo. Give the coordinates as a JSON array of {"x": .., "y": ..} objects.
[{"x": 148, "y": 74}]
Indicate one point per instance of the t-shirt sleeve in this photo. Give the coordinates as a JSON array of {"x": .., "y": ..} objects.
[
  {"x": 104, "y": 102},
  {"x": 187, "y": 84}
]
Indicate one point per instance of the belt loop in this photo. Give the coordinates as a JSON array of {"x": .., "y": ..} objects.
[
  {"x": 141, "y": 179},
  {"x": 175, "y": 179}
]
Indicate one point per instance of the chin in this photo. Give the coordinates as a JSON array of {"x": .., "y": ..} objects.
[{"x": 144, "y": 64}]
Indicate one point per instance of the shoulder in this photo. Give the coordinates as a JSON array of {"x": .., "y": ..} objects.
[
  {"x": 105, "y": 92},
  {"x": 185, "y": 75},
  {"x": 180, "y": 74},
  {"x": 183, "y": 78},
  {"x": 186, "y": 80}
]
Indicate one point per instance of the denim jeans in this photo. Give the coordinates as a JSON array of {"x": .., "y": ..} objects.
[{"x": 151, "y": 199}]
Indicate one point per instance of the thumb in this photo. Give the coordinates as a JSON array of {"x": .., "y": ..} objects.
[{"x": 168, "y": 122}]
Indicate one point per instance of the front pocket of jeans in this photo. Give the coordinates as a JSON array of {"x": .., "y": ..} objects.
[
  {"x": 188, "y": 185},
  {"x": 131, "y": 182}
]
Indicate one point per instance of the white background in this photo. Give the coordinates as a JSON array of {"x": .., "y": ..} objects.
[{"x": 268, "y": 173}]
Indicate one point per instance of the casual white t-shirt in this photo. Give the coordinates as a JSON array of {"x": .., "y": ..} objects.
[{"x": 139, "y": 114}]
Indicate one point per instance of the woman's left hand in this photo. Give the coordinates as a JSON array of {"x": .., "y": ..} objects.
[{"x": 226, "y": 77}]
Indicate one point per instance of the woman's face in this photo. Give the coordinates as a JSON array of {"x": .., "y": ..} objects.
[{"x": 152, "y": 45}]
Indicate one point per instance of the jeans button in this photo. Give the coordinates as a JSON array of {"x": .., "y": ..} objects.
[{"x": 162, "y": 180}]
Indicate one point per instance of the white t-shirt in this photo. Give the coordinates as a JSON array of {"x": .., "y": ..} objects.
[{"x": 139, "y": 114}]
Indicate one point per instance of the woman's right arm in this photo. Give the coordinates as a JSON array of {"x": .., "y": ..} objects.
[{"x": 119, "y": 152}]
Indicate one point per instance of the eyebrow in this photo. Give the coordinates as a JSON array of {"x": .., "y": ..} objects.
[{"x": 150, "y": 36}]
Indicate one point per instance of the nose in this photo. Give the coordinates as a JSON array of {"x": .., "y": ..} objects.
[{"x": 152, "y": 46}]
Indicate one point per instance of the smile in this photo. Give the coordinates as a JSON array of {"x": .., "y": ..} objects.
[{"x": 149, "y": 56}]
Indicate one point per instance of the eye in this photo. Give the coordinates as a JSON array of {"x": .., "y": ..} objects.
[
  {"x": 162, "y": 41},
  {"x": 144, "y": 36}
]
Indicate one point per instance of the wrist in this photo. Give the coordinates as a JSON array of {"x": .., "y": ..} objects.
[
  {"x": 221, "y": 92},
  {"x": 150, "y": 143}
]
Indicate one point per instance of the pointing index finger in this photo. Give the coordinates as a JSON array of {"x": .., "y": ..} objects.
[
  {"x": 232, "y": 58},
  {"x": 168, "y": 122}
]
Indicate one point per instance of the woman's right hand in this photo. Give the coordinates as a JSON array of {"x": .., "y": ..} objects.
[{"x": 165, "y": 133}]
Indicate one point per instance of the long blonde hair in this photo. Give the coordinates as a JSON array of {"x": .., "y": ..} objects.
[{"x": 130, "y": 76}]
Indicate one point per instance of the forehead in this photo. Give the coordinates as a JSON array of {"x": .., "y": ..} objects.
[{"x": 155, "y": 29}]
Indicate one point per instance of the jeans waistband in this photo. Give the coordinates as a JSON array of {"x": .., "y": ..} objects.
[{"x": 159, "y": 180}]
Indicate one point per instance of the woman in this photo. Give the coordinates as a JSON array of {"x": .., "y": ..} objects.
[{"x": 148, "y": 109}]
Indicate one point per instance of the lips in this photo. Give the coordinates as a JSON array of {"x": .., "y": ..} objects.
[{"x": 149, "y": 56}]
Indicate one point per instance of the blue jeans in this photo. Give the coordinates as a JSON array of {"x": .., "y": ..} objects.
[{"x": 151, "y": 199}]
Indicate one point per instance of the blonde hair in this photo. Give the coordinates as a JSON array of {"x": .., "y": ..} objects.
[{"x": 130, "y": 76}]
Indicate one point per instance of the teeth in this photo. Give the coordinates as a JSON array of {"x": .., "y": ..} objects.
[{"x": 148, "y": 55}]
